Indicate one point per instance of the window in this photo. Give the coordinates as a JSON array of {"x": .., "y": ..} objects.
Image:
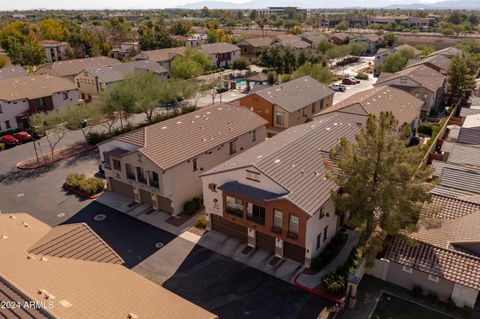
[
  {"x": 319, "y": 239},
  {"x": 116, "y": 165},
  {"x": 407, "y": 269},
  {"x": 41, "y": 102},
  {"x": 321, "y": 214},
  {"x": 233, "y": 147},
  {"x": 325, "y": 230},
  {"x": 1, "y": 111},
  {"x": 313, "y": 107},
  {"x": 129, "y": 171},
  {"x": 7, "y": 124},
  {"x": 234, "y": 206},
  {"x": 403, "y": 80},
  {"x": 141, "y": 175},
  {"x": 425, "y": 97},
  {"x": 212, "y": 187},
  {"x": 304, "y": 111},
  {"x": 254, "y": 136},
  {"x": 194, "y": 162},
  {"x": 433, "y": 278},
  {"x": 279, "y": 119},
  {"x": 321, "y": 103},
  {"x": 293, "y": 226},
  {"x": 256, "y": 213},
  {"x": 254, "y": 176},
  {"x": 154, "y": 182},
  {"x": 277, "y": 219},
  {"x": 65, "y": 96},
  {"x": 139, "y": 158}
]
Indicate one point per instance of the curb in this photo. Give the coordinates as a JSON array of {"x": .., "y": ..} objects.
[
  {"x": 79, "y": 193},
  {"x": 54, "y": 161},
  {"x": 315, "y": 292}
]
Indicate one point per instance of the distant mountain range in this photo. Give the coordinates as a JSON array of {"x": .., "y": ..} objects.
[{"x": 256, "y": 4}]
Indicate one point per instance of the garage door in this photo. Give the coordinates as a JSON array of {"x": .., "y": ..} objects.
[
  {"x": 294, "y": 252},
  {"x": 122, "y": 188},
  {"x": 266, "y": 242},
  {"x": 146, "y": 197},
  {"x": 164, "y": 205},
  {"x": 229, "y": 228}
]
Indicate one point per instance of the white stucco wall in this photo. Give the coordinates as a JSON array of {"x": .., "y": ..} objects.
[
  {"x": 316, "y": 226},
  {"x": 464, "y": 296},
  {"x": 59, "y": 101},
  {"x": 9, "y": 111}
]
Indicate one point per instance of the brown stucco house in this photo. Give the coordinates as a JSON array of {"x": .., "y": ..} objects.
[
  {"x": 164, "y": 57},
  {"x": 276, "y": 195},
  {"x": 290, "y": 103},
  {"x": 251, "y": 48},
  {"x": 159, "y": 165}
]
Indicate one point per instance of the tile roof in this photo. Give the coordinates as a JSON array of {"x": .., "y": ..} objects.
[
  {"x": 220, "y": 47},
  {"x": 404, "y": 106},
  {"x": 81, "y": 289},
  {"x": 460, "y": 179},
  {"x": 450, "y": 51},
  {"x": 297, "y": 159},
  {"x": 296, "y": 44},
  {"x": 472, "y": 120},
  {"x": 161, "y": 54},
  {"x": 445, "y": 207},
  {"x": 118, "y": 72},
  {"x": 407, "y": 46},
  {"x": 440, "y": 61},
  {"x": 423, "y": 75},
  {"x": 441, "y": 262},
  {"x": 466, "y": 155},
  {"x": 369, "y": 36},
  {"x": 296, "y": 94},
  {"x": 73, "y": 67},
  {"x": 465, "y": 111},
  {"x": 314, "y": 37},
  {"x": 77, "y": 241},
  {"x": 12, "y": 71},
  {"x": 257, "y": 42},
  {"x": 32, "y": 87},
  {"x": 196, "y": 132},
  {"x": 469, "y": 135},
  {"x": 287, "y": 37},
  {"x": 249, "y": 191}
]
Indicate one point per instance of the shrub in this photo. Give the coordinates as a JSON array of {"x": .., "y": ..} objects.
[
  {"x": 331, "y": 251},
  {"x": 198, "y": 201},
  {"x": 427, "y": 128},
  {"x": 201, "y": 222},
  {"x": 190, "y": 207},
  {"x": 362, "y": 76},
  {"x": 417, "y": 291},
  {"x": 333, "y": 283},
  {"x": 432, "y": 297},
  {"x": 353, "y": 260},
  {"x": 89, "y": 186},
  {"x": 187, "y": 109},
  {"x": 2, "y": 147},
  {"x": 451, "y": 305},
  {"x": 467, "y": 311},
  {"x": 95, "y": 138}
]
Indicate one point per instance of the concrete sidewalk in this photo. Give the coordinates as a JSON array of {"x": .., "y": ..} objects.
[{"x": 312, "y": 281}]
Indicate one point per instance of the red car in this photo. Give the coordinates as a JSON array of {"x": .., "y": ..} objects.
[
  {"x": 349, "y": 81},
  {"x": 22, "y": 137},
  {"x": 8, "y": 140}
]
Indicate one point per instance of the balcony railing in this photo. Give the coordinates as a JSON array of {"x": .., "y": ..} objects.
[
  {"x": 154, "y": 184},
  {"x": 257, "y": 219},
  {"x": 292, "y": 235},
  {"x": 142, "y": 179},
  {"x": 234, "y": 211},
  {"x": 131, "y": 176},
  {"x": 107, "y": 166},
  {"x": 276, "y": 230}
]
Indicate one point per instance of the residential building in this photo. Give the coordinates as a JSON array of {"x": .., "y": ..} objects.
[
  {"x": 54, "y": 50},
  {"x": 420, "y": 81},
  {"x": 339, "y": 38},
  {"x": 276, "y": 195},
  {"x": 160, "y": 164},
  {"x": 290, "y": 103},
  {"x": 449, "y": 52},
  {"x": 12, "y": 71},
  {"x": 92, "y": 81},
  {"x": 223, "y": 54},
  {"x": 164, "y": 57},
  {"x": 70, "y": 68},
  {"x": 125, "y": 50},
  {"x": 439, "y": 63},
  {"x": 251, "y": 48},
  {"x": 69, "y": 272},
  {"x": 291, "y": 40},
  {"x": 20, "y": 97},
  {"x": 196, "y": 40},
  {"x": 313, "y": 38},
  {"x": 384, "y": 52},
  {"x": 405, "y": 107},
  {"x": 371, "y": 39}
]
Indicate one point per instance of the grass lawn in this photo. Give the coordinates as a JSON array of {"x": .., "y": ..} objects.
[{"x": 390, "y": 307}]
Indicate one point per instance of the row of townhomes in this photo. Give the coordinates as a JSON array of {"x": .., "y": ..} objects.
[{"x": 446, "y": 258}]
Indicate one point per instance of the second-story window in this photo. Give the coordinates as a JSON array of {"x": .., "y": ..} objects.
[
  {"x": 129, "y": 171},
  {"x": 141, "y": 175},
  {"x": 65, "y": 95},
  {"x": 254, "y": 176},
  {"x": 233, "y": 147},
  {"x": 256, "y": 213},
  {"x": 279, "y": 119},
  {"x": 277, "y": 220},
  {"x": 254, "y": 135},
  {"x": 194, "y": 164},
  {"x": 234, "y": 206},
  {"x": 313, "y": 107},
  {"x": 325, "y": 230},
  {"x": 293, "y": 225},
  {"x": 116, "y": 164},
  {"x": 154, "y": 181}
]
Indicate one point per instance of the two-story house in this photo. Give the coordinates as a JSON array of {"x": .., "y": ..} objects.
[
  {"x": 92, "y": 81},
  {"x": 405, "y": 107},
  {"x": 371, "y": 39},
  {"x": 160, "y": 164},
  {"x": 223, "y": 53},
  {"x": 290, "y": 103},
  {"x": 384, "y": 52},
  {"x": 164, "y": 57},
  {"x": 276, "y": 195},
  {"x": 251, "y": 48},
  {"x": 420, "y": 81},
  {"x": 20, "y": 97},
  {"x": 54, "y": 50},
  {"x": 70, "y": 68}
]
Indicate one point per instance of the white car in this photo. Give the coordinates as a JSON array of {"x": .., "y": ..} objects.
[{"x": 338, "y": 87}]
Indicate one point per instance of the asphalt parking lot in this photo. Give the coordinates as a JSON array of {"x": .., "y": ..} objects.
[{"x": 234, "y": 290}]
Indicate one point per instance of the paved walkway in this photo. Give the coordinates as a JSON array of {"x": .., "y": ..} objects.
[{"x": 312, "y": 281}]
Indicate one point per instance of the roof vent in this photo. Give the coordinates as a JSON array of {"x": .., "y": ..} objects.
[
  {"x": 30, "y": 257},
  {"x": 277, "y": 161},
  {"x": 25, "y": 224},
  {"x": 65, "y": 303},
  {"x": 13, "y": 217},
  {"x": 179, "y": 122},
  {"x": 132, "y": 316},
  {"x": 43, "y": 259},
  {"x": 3, "y": 236}
]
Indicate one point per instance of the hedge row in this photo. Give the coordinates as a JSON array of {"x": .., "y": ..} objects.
[
  {"x": 192, "y": 206},
  {"x": 330, "y": 252},
  {"x": 89, "y": 186}
]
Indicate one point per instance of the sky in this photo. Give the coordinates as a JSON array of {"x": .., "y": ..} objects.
[{"x": 110, "y": 4}]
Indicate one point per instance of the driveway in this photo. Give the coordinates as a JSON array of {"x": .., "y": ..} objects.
[
  {"x": 234, "y": 290},
  {"x": 354, "y": 89}
]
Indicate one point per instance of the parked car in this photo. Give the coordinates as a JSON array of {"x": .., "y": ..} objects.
[
  {"x": 9, "y": 140},
  {"x": 355, "y": 79},
  {"x": 22, "y": 137},
  {"x": 338, "y": 87},
  {"x": 222, "y": 89},
  {"x": 349, "y": 81}
]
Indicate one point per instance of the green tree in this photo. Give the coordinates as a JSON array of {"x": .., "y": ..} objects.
[
  {"x": 460, "y": 77},
  {"x": 151, "y": 39},
  {"x": 341, "y": 26},
  {"x": 50, "y": 124},
  {"x": 317, "y": 71},
  {"x": 52, "y": 29},
  {"x": 194, "y": 63},
  {"x": 3, "y": 61},
  {"x": 358, "y": 48},
  {"x": 180, "y": 27},
  {"x": 240, "y": 64},
  {"x": 381, "y": 184},
  {"x": 83, "y": 118},
  {"x": 397, "y": 61}
]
